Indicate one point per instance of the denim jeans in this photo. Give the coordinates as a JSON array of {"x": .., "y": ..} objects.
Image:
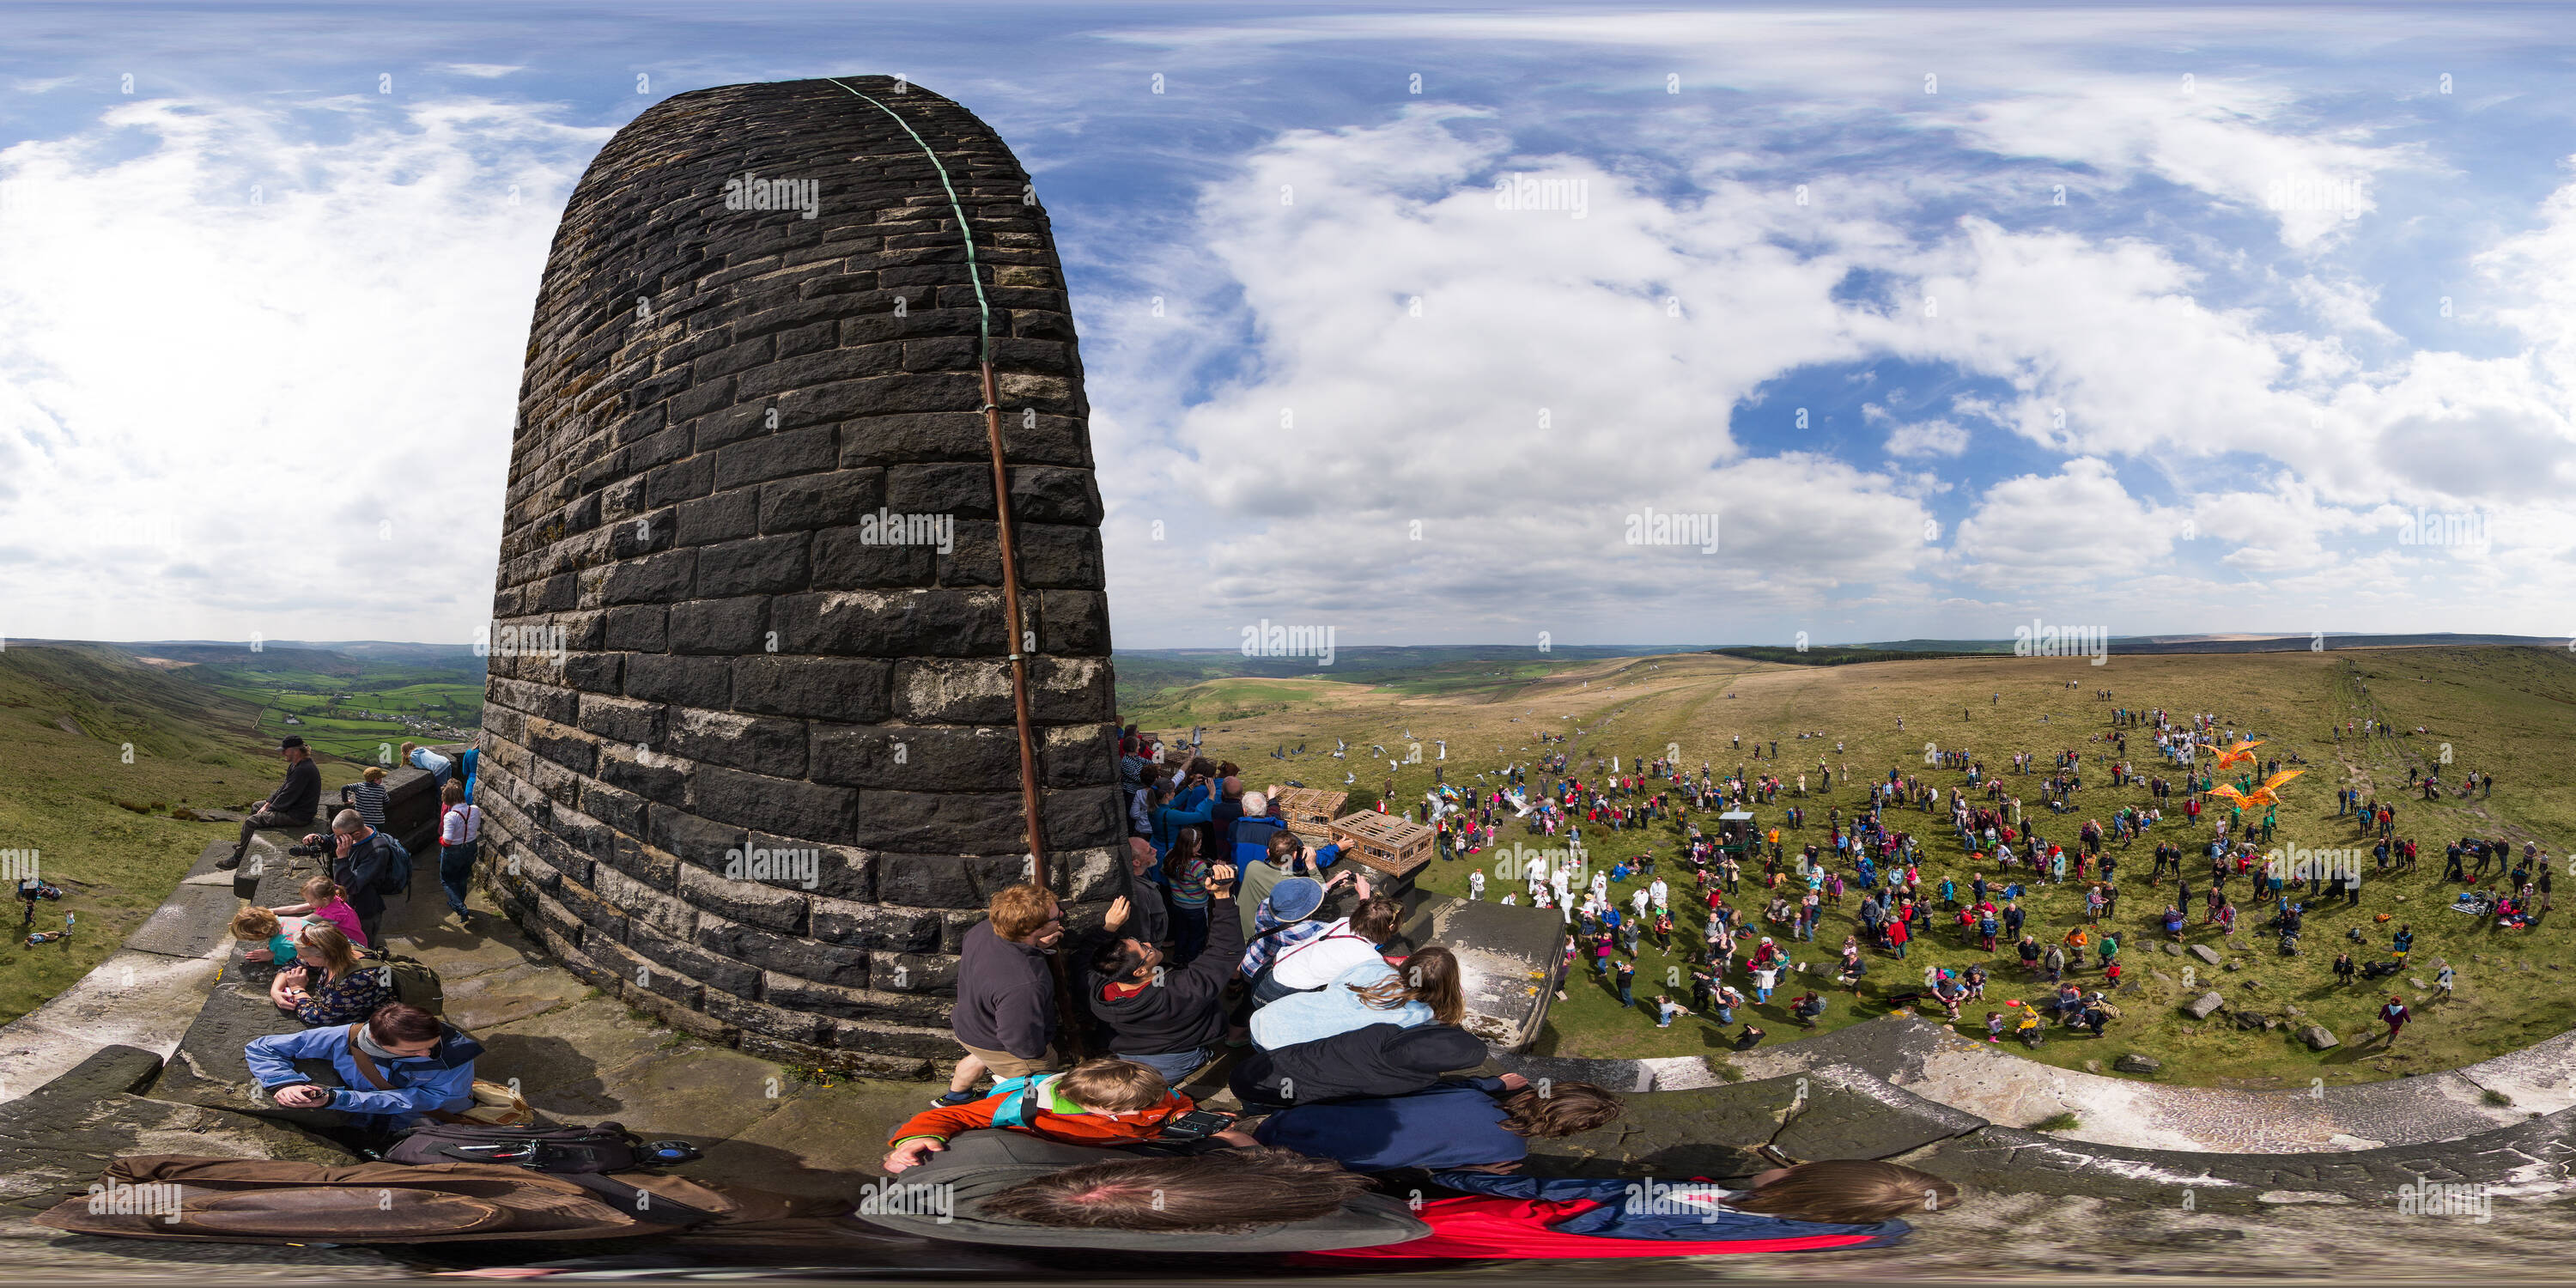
[
  {"x": 455, "y": 869},
  {"x": 1725, "y": 1014},
  {"x": 1175, "y": 1068}
]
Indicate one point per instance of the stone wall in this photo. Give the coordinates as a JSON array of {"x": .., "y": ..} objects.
[{"x": 722, "y": 406}]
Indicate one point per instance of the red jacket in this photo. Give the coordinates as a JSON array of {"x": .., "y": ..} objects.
[
  {"x": 1517, "y": 1216},
  {"x": 1070, "y": 1129}
]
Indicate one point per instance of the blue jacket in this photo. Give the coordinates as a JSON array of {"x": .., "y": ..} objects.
[
  {"x": 1251, "y": 838},
  {"x": 443, "y": 1079},
  {"x": 1170, "y": 819},
  {"x": 1665, "y": 1210},
  {"x": 439, "y": 767},
  {"x": 1453, "y": 1123},
  {"x": 1338, "y": 1008}
]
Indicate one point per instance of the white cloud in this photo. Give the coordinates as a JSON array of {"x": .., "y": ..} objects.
[
  {"x": 481, "y": 71},
  {"x": 1927, "y": 438},
  {"x": 2073, "y": 528},
  {"x": 284, "y": 353}
]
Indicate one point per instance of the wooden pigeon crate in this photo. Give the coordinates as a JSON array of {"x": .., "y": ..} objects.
[
  {"x": 1310, "y": 812},
  {"x": 1385, "y": 844}
]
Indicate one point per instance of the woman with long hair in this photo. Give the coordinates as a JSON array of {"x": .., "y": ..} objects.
[
  {"x": 329, "y": 984},
  {"x": 1425, "y": 989}
]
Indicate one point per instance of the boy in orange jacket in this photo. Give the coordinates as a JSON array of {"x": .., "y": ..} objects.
[{"x": 1099, "y": 1102}]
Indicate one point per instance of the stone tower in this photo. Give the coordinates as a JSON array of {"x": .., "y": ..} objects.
[{"x": 772, "y": 774}]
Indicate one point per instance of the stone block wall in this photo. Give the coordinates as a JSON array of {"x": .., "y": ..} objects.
[{"x": 734, "y": 421}]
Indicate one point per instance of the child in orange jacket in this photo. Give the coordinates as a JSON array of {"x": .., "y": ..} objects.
[{"x": 1100, "y": 1102}]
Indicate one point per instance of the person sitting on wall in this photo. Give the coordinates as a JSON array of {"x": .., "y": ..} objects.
[
  {"x": 1313, "y": 964},
  {"x": 1464, "y": 1123},
  {"x": 1005, "y": 1011},
  {"x": 1376, "y": 1061},
  {"x": 1425, "y": 989},
  {"x": 327, "y": 985},
  {"x": 419, "y": 1066},
  {"x": 291, "y": 805},
  {"x": 1098, "y": 1102},
  {"x": 1165, "y": 1018}
]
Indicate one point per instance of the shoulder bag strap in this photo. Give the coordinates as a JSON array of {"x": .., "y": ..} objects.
[{"x": 368, "y": 1069}]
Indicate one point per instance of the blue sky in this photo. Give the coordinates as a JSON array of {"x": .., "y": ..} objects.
[{"x": 2164, "y": 319}]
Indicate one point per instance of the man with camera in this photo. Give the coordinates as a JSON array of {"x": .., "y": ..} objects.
[
  {"x": 364, "y": 860},
  {"x": 291, "y": 805}
]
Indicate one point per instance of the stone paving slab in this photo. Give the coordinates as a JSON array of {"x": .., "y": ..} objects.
[
  {"x": 193, "y": 922},
  {"x": 1848, "y": 1112},
  {"x": 2531, "y": 1160},
  {"x": 138, "y": 999},
  {"x": 56, "y": 1140}
]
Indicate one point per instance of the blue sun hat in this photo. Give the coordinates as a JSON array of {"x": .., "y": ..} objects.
[{"x": 1296, "y": 899}]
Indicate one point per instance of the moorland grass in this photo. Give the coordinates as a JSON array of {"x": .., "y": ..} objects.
[{"x": 2502, "y": 710}]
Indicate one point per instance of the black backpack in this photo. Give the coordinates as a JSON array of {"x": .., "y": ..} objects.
[
  {"x": 385, "y": 872},
  {"x": 396, "y": 879},
  {"x": 583, "y": 1155},
  {"x": 605, "y": 1147}
]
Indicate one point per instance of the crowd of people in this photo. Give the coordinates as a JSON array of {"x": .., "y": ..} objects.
[
  {"x": 1241, "y": 955},
  {"x": 2210, "y": 859},
  {"x": 328, "y": 965}
]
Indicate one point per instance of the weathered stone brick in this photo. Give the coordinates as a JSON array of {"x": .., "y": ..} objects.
[
  {"x": 824, "y": 688},
  {"x": 872, "y": 926},
  {"x": 757, "y": 800},
  {"x": 696, "y": 502},
  {"x": 919, "y": 757},
  {"x": 769, "y": 905},
  {"x": 788, "y": 954},
  {"x": 731, "y": 627}
]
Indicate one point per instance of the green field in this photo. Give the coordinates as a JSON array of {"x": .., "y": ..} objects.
[
  {"x": 364, "y": 714},
  {"x": 2503, "y": 710},
  {"x": 97, "y": 750}
]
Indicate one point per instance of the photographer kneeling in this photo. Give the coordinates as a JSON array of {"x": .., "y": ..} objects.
[{"x": 365, "y": 863}]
